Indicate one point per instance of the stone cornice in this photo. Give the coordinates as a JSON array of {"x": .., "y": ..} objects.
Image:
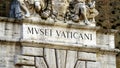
[
  {"x": 48, "y": 23},
  {"x": 39, "y": 21},
  {"x": 107, "y": 31},
  {"x": 84, "y": 48}
]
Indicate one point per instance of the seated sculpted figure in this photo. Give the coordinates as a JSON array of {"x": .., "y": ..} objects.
[
  {"x": 25, "y": 9},
  {"x": 59, "y": 9},
  {"x": 37, "y": 6},
  {"x": 91, "y": 11},
  {"x": 80, "y": 10}
]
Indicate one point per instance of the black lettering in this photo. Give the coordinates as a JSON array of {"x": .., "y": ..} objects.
[
  {"x": 63, "y": 34},
  {"x": 58, "y": 33},
  {"x": 69, "y": 34},
  {"x": 81, "y": 36},
  {"x": 41, "y": 32},
  {"x": 86, "y": 36},
  {"x": 90, "y": 36},
  {"x": 50, "y": 32},
  {"x": 46, "y": 32},
  {"x": 36, "y": 31},
  {"x": 30, "y": 30},
  {"x": 75, "y": 35}
]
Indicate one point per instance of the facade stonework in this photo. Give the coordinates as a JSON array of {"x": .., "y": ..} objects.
[
  {"x": 59, "y": 34},
  {"x": 42, "y": 50}
]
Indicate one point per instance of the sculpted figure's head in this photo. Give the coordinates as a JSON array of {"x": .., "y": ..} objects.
[
  {"x": 88, "y": 0},
  {"x": 37, "y": 6},
  {"x": 91, "y": 3},
  {"x": 81, "y": 0}
]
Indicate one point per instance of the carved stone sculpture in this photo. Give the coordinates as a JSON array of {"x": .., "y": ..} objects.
[
  {"x": 31, "y": 6},
  {"x": 91, "y": 11},
  {"x": 40, "y": 8},
  {"x": 25, "y": 9},
  {"x": 79, "y": 11},
  {"x": 83, "y": 10},
  {"x": 15, "y": 10},
  {"x": 59, "y": 10}
]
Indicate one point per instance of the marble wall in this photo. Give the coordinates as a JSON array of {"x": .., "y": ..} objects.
[{"x": 17, "y": 52}]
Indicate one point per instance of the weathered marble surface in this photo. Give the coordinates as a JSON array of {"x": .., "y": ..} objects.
[
  {"x": 50, "y": 57},
  {"x": 33, "y": 51},
  {"x": 71, "y": 59},
  {"x": 103, "y": 41},
  {"x": 80, "y": 64},
  {"x": 28, "y": 67},
  {"x": 59, "y": 35},
  {"x": 87, "y": 56},
  {"x": 61, "y": 56},
  {"x": 25, "y": 60},
  {"x": 40, "y": 63},
  {"x": 20, "y": 48},
  {"x": 58, "y": 10}
]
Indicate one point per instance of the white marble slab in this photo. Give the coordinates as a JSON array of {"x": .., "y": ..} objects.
[{"x": 59, "y": 35}]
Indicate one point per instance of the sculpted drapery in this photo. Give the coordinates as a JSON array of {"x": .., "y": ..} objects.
[{"x": 59, "y": 10}]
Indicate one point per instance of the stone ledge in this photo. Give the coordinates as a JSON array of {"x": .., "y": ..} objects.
[
  {"x": 28, "y": 67},
  {"x": 107, "y": 31},
  {"x": 49, "y": 45},
  {"x": 66, "y": 25},
  {"x": 44, "y": 22},
  {"x": 87, "y": 56},
  {"x": 32, "y": 51},
  {"x": 93, "y": 49},
  {"x": 10, "y": 20},
  {"x": 24, "y": 60},
  {"x": 7, "y": 39}
]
